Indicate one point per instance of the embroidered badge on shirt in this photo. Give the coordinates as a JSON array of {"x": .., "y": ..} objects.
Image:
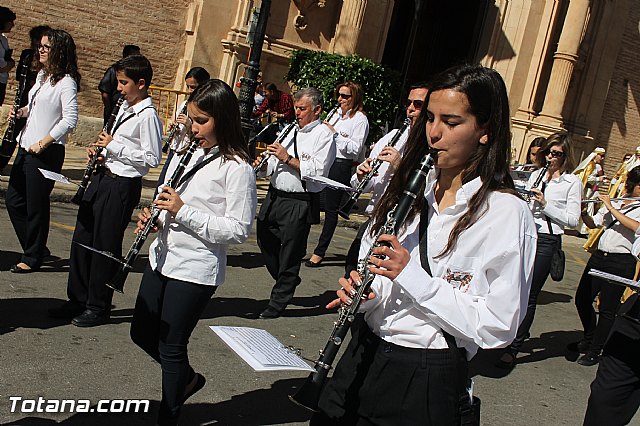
[
  {"x": 459, "y": 279},
  {"x": 305, "y": 156}
]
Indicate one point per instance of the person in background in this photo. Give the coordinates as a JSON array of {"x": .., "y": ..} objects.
[
  {"x": 7, "y": 18},
  {"x": 52, "y": 112},
  {"x": 108, "y": 86},
  {"x": 279, "y": 106}
]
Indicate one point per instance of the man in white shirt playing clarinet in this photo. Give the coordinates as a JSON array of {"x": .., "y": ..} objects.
[{"x": 291, "y": 205}]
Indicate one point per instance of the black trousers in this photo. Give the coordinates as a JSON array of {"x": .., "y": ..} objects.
[
  {"x": 546, "y": 246},
  {"x": 340, "y": 171},
  {"x": 103, "y": 216},
  {"x": 615, "y": 392},
  {"x": 28, "y": 201},
  {"x": 379, "y": 383},
  {"x": 167, "y": 311},
  {"x": 597, "y": 329},
  {"x": 282, "y": 230}
]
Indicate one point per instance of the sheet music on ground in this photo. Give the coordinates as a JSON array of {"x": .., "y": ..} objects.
[{"x": 260, "y": 349}]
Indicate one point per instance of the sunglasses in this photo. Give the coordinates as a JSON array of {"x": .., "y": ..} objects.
[
  {"x": 555, "y": 154},
  {"x": 344, "y": 95},
  {"x": 44, "y": 47},
  {"x": 417, "y": 103}
]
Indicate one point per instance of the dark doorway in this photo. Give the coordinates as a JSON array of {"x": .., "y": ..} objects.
[{"x": 446, "y": 33}]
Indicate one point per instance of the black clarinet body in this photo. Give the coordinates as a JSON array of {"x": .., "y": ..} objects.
[
  {"x": 375, "y": 166},
  {"x": 172, "y": 133},
  {"x": 117, "y": 282},
  {"x": 92, "y": 163},
  {"x": 8, "y": 140},
  {"x": 280, "y": 138},
  {"x": 309, "y": 393},
  {"x": 543, "y": 171}
]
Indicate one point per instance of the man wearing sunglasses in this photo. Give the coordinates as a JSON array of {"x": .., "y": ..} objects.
[{"x": 390, "y": 156}]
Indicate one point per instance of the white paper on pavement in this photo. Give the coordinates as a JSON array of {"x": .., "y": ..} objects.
[
  {"x": 56, "y": 176},
  {"x": 324, "y": 181},
  {"x": 261, "y": 350},
  {"x": 614, "y": 278}
]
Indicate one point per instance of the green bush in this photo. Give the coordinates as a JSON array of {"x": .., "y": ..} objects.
[{"x": 323, "y": 71}]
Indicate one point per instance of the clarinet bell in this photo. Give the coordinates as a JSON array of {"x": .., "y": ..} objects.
[
  {"x": 308, "y": 395},
  {"x": 346, "y": 208},
  {"x": 77, "y": 198},
  {"x": 117, "y": 282}
]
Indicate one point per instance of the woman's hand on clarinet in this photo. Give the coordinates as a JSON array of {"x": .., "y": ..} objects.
[
  {"x": 91, "y": 152},
  {"x": 348, "y": 291},
  {"x": 389, "y": 261},
  {"x": 183, "y": 119},
  {"x": 19, "y": 113},
  {"x": 104, "y": 139},
  {"x": 169, "y": 200},
  {"x": 539, "y": 197},
  {"x": 363, "y": 169},
  {"x": 391, "y": 156},
  {"x": 143, "y": 217}
]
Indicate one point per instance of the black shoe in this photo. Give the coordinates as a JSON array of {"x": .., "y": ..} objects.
[
  {"x": 309, "y": 264},
  {"x": 270, "y": 313},
  {"x": 18, "y": 270},
  {"x": 90, "y": 318},
  {"x": 589, "y": 359},
  {"x": 582, "y": 346},
  {"x": 507, "y": 361},
  {"x": 67, "y": 310},
  {"x": 200, "y": 381}
]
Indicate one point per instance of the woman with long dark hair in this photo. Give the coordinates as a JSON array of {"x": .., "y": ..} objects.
[
  {"x": 52, "y": 112},
  {"x": 408, "y": 363},
  {"x": 556, "y": 205},
  {"x": 212, "y": 208}
]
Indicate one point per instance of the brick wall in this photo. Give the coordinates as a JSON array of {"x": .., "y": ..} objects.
[
  {"x": 100, "y": 30},
  {"x": 620, "y": 125}
]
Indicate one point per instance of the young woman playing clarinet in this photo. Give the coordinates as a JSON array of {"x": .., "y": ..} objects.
[
  {"x": 202, "y": 215},
  {"x": 407, "y": 365}
]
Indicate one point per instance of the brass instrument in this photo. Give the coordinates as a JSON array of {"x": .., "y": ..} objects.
[
  {"x": 309, "y": 393},
  {"x": 92, "y": 163},
  {"x": 172, "y": 132},
  {"x": 8, "y": 141},
  {"x": 117, "y": 282},
  {"x": 375, "y": 166},
  {"x": 280, "y": 138}
]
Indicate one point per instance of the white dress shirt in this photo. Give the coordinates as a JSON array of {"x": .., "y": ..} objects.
[
  {"x": 635, "y": 249},
  {"x": 564, "y": 197},
  {"x": 316, "y": 152},
  {"x": 137, "y": 142},
  {"x": 378, "y": 184},
  {"x": 618, "y": 238},
  {"x": 219, "y": 207},
  {"x": 478, "y": 293},
  {"x": 351, "y": 132},
  {"x": 52, "y": 110}
]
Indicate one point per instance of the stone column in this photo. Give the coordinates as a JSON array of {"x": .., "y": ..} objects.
[
  {"x": 348, "y": 30},
  {"x": 564, "y": 61}
]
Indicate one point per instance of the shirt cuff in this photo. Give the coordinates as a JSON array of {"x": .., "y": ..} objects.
[{"x": 417, "y": 282}]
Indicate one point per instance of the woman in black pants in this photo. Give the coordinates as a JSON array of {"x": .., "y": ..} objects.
[
  {"x": 556, "y": 205},
  {"x": 52, "y": 112},
  {"x": 204, "y": 213},
  {"x": 350, "y": 129}
]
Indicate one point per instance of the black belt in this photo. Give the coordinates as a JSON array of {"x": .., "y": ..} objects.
[
  {"x": 112, "y": 175},
  {"x": 343, "y": 160},
  {"x": 302, "y": 196},
  {"x": 407, "y": 353}
]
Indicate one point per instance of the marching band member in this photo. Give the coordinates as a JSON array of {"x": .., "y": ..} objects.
[
  {"x": 556, "y": 205},
  {"x": 350, "y": 129},
  {"x": 390, "y": 157},
  {"x": 211, "y": 209},
  {"x": 620, "y": 219},
  {"x": 291, "y": 204},
  {"x": 408, "y": 364}
]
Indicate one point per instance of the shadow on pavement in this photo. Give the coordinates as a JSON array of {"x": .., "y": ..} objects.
[
  {"x": 246, "y": 260},
  {"x": 28, "y": 313},
  {"x": 258, "y": 407},
  {"x": 547, "y": 298}
]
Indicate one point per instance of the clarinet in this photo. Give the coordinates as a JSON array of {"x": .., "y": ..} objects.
[
  {"x": 117, "y": 282},
  {"x": 309, "y": 393},
  {"x": 543, "y": 171},
  {"x": 172, "y": 133},
  {"x": 332, "y": 112},
  {"x": 8, "y": 142},
  {"x": 280, "y": 138},
  {"x": 91, "y": 164},
  {"x": 375, "y": 164}
]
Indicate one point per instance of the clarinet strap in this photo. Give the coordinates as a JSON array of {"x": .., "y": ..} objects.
[{"x": 199, "y": 166}]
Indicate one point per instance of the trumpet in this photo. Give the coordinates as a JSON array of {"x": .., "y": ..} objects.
[
  {"x": 117, "y": 282},
  {"x": 172, "y": 133},
  {"x": 280, "y": 138},
  {"x": 8, "y": 142},
  {"x": 309, "y": 393},
  {"x": 375, "y": 166},
  {"x": 91, "y": 165}
]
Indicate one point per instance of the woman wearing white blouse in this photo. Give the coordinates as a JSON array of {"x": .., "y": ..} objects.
[
  {"x": 556, "y": 205},
  {"x": 52, "y": 112},
  {"x": 350, "y": 128},
  {"x": 408, "y": 363},
  {"x": 211, "y": 209}
]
